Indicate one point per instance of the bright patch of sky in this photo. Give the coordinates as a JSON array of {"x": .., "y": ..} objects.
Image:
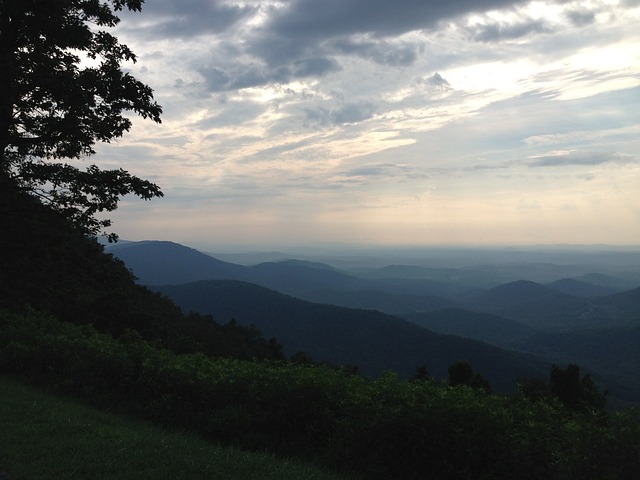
[{"x": 398, "y": 122}]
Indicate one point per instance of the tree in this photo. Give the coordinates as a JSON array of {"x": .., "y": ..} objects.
[
  {"x": 62, "y": 90},
  {"x": 421, "y": 375},
  {"x": 572, "y": 391},
  {"x": 461, "y": 373}
]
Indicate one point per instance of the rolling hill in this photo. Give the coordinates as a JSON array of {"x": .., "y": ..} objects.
[
  {"x": 506, "y": 316},
  {"x": 485, "y": 327},
  {"x": 578, "y": 288},
  {"x": 168, "y": 263},
  {"x": 538, "y": 306},
  {"x": 373, "y": 341},
  {"x": 159, "y": 263}
]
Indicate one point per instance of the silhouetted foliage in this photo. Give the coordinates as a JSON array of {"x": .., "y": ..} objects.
[
  {"x": 54, "y": 106},
  {"x": 48, "y": 266},
  {"x": 461, "y": 373},
  {"x": 421, "y": 374},
  {"x": 383, "y": 429},
  {"x": 567, "y": 387},
  {"x": 574, "y": 392}
]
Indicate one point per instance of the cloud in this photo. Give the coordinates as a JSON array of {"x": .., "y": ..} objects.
[
  {"x": 305, "y": 108},
  {"x": 496, "y": 31},
  {"x": 438, "y": 81},
  {"x": 185, "y": 18},
  {"x": 335, "y": 18},
  {"x": 565, "y": 158},
  {"x": 342, "y": 114},
  {"x": 383, "y": 170},
  {"x": 581, "y": 16},
  {"x": 381, "y": 52}
]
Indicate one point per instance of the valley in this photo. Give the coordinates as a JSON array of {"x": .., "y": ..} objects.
[{"x": 508, "y": 318}]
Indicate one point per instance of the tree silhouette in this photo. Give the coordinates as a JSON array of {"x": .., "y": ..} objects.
[
  {"x": 54, "y": 105},
  {"x": 574, "y": 392},
  {"x": 461, "y": 373}
]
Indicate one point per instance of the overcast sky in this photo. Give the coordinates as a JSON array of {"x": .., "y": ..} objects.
[{"x": 419, "y": 122}]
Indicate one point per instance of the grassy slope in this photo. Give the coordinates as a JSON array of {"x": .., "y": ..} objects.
[{"x": 43, "y": 436}]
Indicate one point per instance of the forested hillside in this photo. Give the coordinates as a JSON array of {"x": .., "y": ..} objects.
[
  {"x": 372, "y": 341},
  {"x": 48, "y": 266}
]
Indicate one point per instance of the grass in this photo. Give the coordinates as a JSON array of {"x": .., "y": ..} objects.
[{"x": 43, "y": 436}]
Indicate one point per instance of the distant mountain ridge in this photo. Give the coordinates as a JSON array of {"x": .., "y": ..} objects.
[
  {"x": 373, "y": 341},
  {"x": 578, "y": 288},
  {"x": 168, "y": 263},
  {"x": 502, "y": 315},
  {"x": 542, "y": 307},
  {"x": 159, "y": 263}
]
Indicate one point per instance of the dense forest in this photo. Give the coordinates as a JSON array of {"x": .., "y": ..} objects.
[{"x": 73, "y": 320}]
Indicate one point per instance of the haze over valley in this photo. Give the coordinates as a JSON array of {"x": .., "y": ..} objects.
[{"x": 509, "y": 312}]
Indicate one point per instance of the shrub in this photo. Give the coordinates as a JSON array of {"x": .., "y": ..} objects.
[{"x": 384, "y": 428}]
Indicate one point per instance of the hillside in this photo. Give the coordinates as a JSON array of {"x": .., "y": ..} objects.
[
  {"x": 168, "y": 263},
  {"x": 486, "y": 327},
  {"x": 612, "y": 353},
  {"x": 371, "y": 340},
  {"x": 46, "y": 436},
  {"x": 160, "y": 263},
  {"x": 538, "y": 306},
  {"x": 49, "y": 267},
  {"x": 578, "y": 288}
]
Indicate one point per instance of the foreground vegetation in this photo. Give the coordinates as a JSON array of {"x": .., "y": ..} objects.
[
  {"x": 46, "y": 436},
  {"x": 385, "y": 428}
]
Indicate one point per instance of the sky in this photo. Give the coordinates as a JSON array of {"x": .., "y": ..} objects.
[{"x": 404, "y": 122}]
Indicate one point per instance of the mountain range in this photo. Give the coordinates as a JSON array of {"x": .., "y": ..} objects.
[{"x": 401, "y": 317}]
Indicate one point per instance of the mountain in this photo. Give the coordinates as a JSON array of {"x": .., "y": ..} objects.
[
  {"x": 538, "y": 306},
  {"x": 373, "y": 341},
  {"x": 485, "y": 327},
  {"x": 612, "y": 352},
  {"x": 167, "y": 263},
  {"x": 578, "y": 288},
  {"x": 618, "y": 282},
  {"x": 299, "y": 277},
  {"x": 159, "y": 263},
  {"x": 621, "y": 308},
  {"x": 391, "y": 303},
  {"x": 628, "y": 301}
]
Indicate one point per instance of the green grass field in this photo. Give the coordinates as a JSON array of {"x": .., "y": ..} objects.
[{"x": 43, "y": 436}]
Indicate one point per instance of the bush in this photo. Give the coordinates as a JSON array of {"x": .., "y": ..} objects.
[{"x": 384, "y": 428}]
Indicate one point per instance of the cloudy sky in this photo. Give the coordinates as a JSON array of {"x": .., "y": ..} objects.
[{"x": 417, "y": 122}]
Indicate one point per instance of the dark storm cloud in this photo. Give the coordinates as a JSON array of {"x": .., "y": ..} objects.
[
  {"x": 332, "y": 18},
  {"x": 306, "y": 29},
  {"x": 186, "y": 18},
  {"x": 303, "y": 38}
]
